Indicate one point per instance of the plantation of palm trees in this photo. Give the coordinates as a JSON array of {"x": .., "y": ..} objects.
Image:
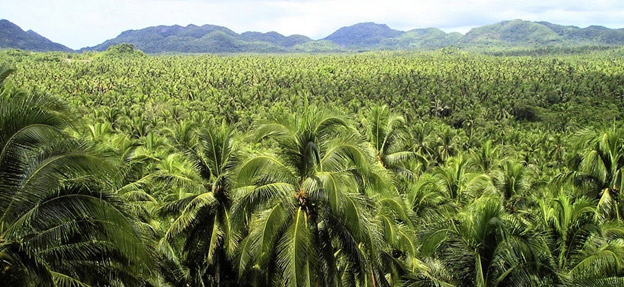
[{"x": 379, "y": 169}]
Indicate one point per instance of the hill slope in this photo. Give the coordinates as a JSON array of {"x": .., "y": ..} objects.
[
  {"x": 363, "y": 35},
  {"x": 201, "y": 39},
  {"x": 422, "y": 39},
  {"x": 13, "y": 37},
  {"x": 515, "y": 33},
  {"x": 359, "y": 37},
  {"x": 526, "y": 33}
]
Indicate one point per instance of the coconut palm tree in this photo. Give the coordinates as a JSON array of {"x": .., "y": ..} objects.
[
  {"x": 183, "y": 133},
  {"x": 387, "y": 134},
  {"x": 583, "y": 249},
  {"x": 557, "y": 151},
  {"x": 310, "y": 220},
  {"x": 600, "y": 258},
  {"x": 59, "y": 224},
  {"x": 428, "y": 200},
  {"x": 598, "y": 168},
  {"x": 486, "y": 157},
  {"x": 485, "y": 247},
  {"x": 602, "y": 159},
  {"x": 203, "y": 218},
  {"x": 421, "y": 139},
  {"x": 512, "y": 181},
  {"x": 458, "y": 183},
  {"x": 446, "y": 144}
]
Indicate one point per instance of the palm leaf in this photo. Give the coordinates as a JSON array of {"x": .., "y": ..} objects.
[{"x": 294, "y": 252}]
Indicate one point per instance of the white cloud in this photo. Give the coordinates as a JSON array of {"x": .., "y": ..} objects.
[{"x": 79, "y": 23}]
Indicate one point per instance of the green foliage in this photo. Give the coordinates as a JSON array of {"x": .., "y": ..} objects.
[
  {"x": 60, "y": 224},
  {"x": 122, "y": 50},
  {"x": 515, "y": 37},
  {"x": 443, "y": 168},
  {"x": 362, "y": 35}
]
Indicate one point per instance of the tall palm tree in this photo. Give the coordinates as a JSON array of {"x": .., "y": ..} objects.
[
  {"x": 486, "y": 157},
  {"x": 458, "y": 183},
  {"x": 557, "y": 151},
  {"x": 311, "y": 223},
  {"x": 582, "y": 248},
  {"x": 513, "y": 180},
  {"x": 599, "y": 167},
  {"x": 486, "y": 247},
  {"x": 602, "y": 159},
  {"x": 600, "y": 258},
  {"x": 427, "y": 199},
  {"x": 446, "y": 144},
  {"x": 59, "y": 226},
  {"x": 387, "y": 134},
  {"x": 182, "y": 135},
  {"x": 203, "y": 217},
  {"x": 421, "y": 139}
]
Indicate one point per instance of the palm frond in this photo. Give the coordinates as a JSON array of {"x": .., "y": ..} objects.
[{"x": 294, "y": 252}]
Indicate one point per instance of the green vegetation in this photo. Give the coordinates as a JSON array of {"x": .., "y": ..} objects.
[
  {"x": 516, "y": 34},
  {"x": 442, "y": 168},
  {"x": 362, "y": 35},
  {"x": 12, "y": 36},
  {"x": 508, "y": 37}
]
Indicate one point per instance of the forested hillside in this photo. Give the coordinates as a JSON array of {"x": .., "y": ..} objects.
[
  {"x": 12, "y": 36},
  {"x": 366, "y": 37},
  {"x": 505, "y": 35},
  {"x": 440, "y": 168}
]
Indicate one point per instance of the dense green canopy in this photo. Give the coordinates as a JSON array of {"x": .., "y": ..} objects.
[{"x": 432, "y": 169}]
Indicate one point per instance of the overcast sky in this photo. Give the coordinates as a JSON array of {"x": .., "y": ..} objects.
[{"x": 80, "y": 23}]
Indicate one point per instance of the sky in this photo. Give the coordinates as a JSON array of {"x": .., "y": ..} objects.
[{"x": 81, "y": 23}]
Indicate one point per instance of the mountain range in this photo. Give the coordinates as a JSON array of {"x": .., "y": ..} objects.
[{"x": 358, "y": 37}]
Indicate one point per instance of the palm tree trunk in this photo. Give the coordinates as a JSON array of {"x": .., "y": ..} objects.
[
  {"x": 373, "y": 281},
  {"x": 218, "y": 272}
]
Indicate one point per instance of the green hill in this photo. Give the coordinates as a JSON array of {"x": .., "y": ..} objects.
[
  {"x": 201, "y": 39},
  {"x": 13, "y": 37},
  {"x": 423, "y": 39},
  {"x": 363, "y": 35},
  {"x": 504, "y": 36},
  {"x": 527, "y": 33},
  {"x": 275, "y": 38}
]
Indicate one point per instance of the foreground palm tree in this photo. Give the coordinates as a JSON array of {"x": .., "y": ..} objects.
[
  {"x": 58, "y": 225},
  {"x": 486, "y": 247},
  {"x": 599, "y": 158},
  {"x": 583, "y": 250},
  {"x": 598, "y": 168},
  {"x": 203, "y": 218},
  {"x": 309, "y": 219}
]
